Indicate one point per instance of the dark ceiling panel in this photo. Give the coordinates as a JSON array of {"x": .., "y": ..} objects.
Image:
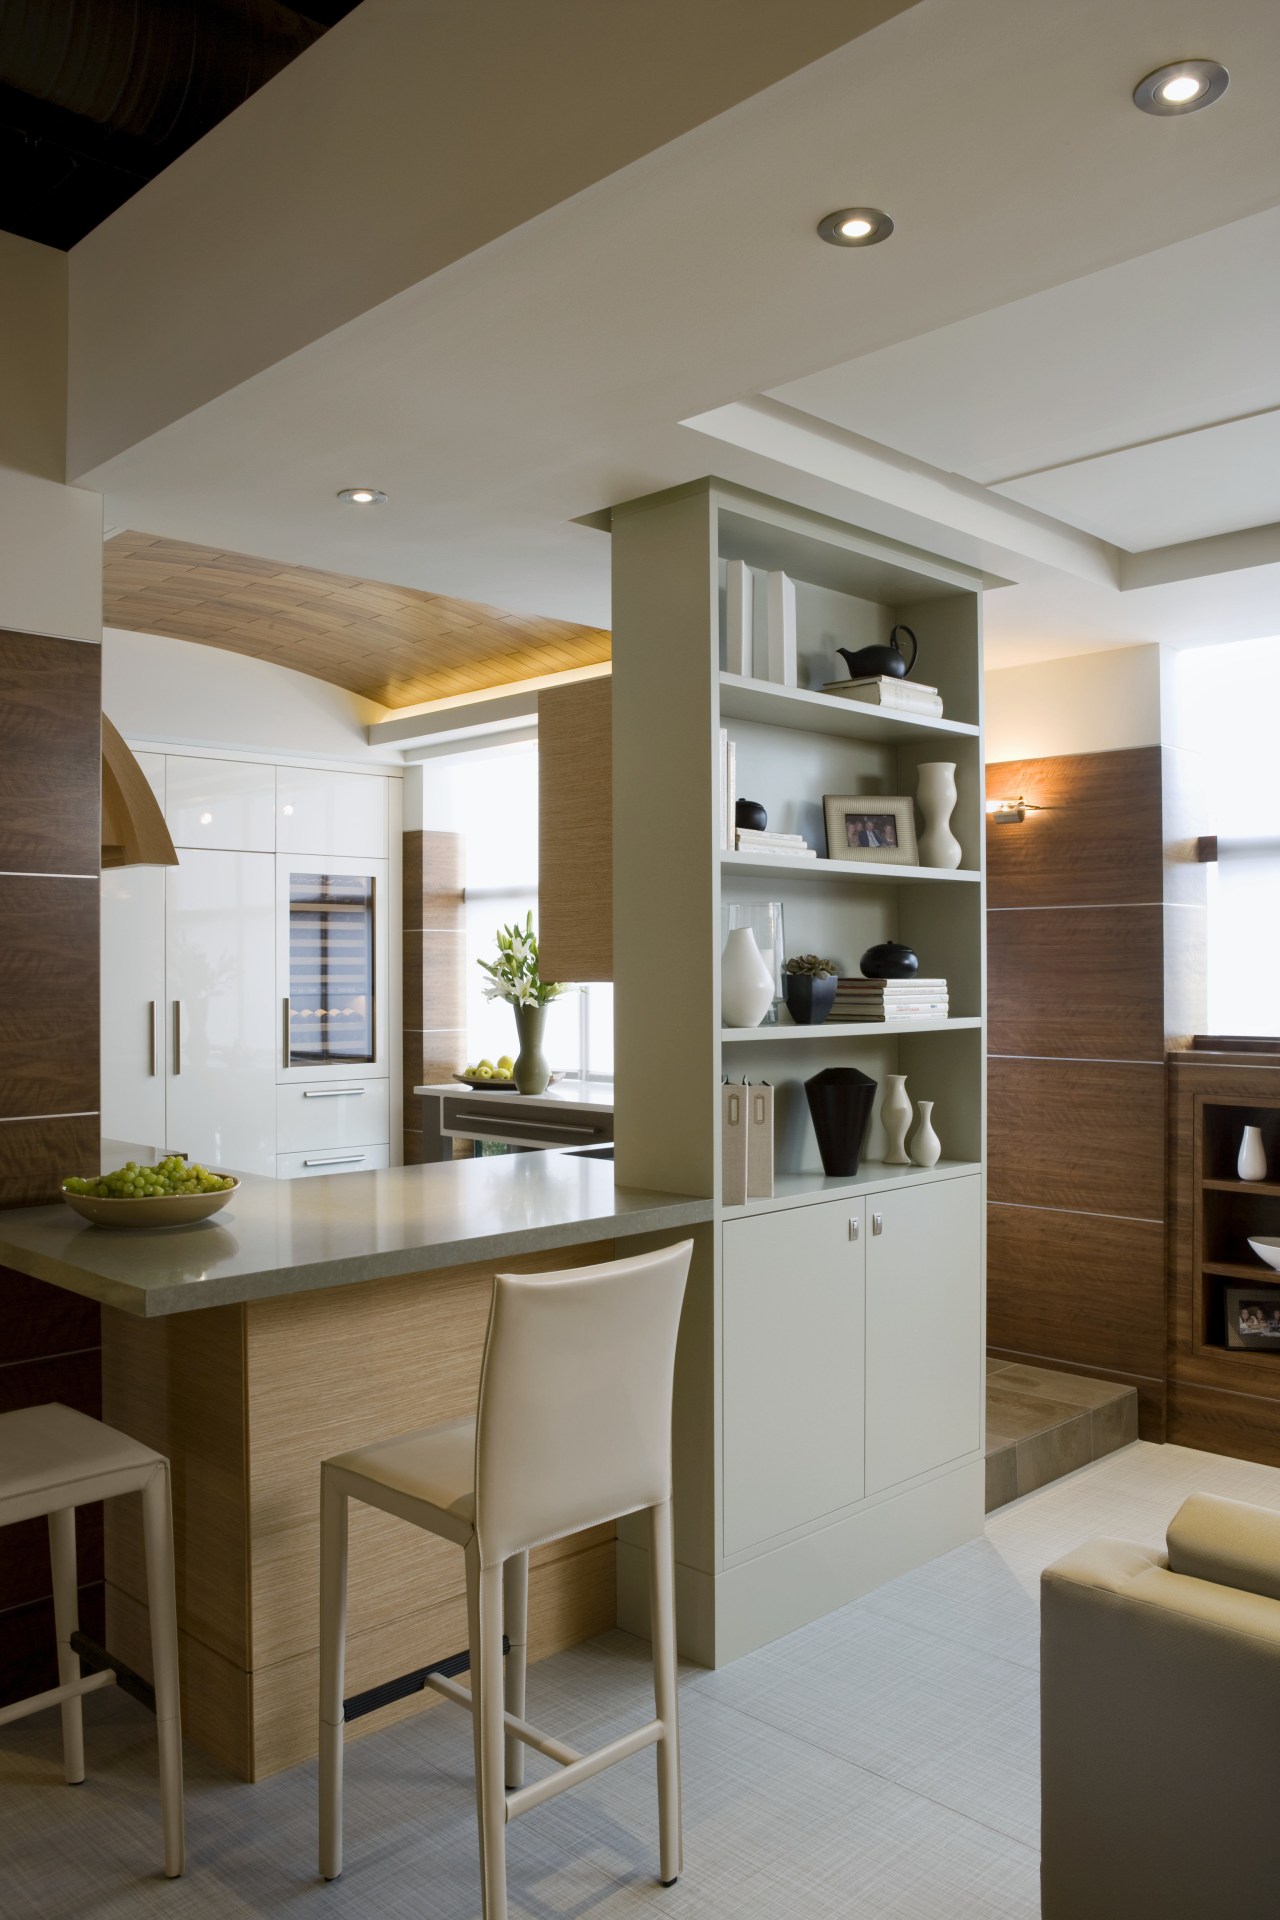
[{"x": 99, "y": 96}]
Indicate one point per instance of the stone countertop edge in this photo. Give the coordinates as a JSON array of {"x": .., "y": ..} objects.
[{"x": 666, "y": 1213}]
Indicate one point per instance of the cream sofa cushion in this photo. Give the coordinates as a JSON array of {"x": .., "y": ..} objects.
[{"x": 1228, "y": 1542}]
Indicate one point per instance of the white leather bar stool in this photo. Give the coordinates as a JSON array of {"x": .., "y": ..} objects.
[
  {"x": 573, "y": 1428},
  {"x": 53, "y": 1460}
]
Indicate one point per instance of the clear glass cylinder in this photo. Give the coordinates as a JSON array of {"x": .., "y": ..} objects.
[{"x": 764, "y": 917}]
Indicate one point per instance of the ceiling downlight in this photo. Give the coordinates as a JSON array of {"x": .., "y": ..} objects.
[
  {"x": 1182, "y": 87},
  {"x": 362, "y": 497},
  {"x": 855, "y": 227}
]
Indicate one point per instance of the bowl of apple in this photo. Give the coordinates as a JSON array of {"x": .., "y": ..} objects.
[
  {"x": 173, "y": 1193},
  {"x": 488, "y": 1078}
]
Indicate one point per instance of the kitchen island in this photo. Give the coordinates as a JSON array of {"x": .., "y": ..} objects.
[{"x": 306, "y": 1318}]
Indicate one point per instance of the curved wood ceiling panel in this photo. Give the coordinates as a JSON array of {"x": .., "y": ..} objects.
[{"x": 392, "y": 644}]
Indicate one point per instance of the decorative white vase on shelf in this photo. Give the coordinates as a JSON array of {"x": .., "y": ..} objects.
[
  {"x": 746, "y": 983},
  {"x": 936, "y": 799},
  {"x": 895, "y": 1118},
  {"x": 926, "y": 1148},
  {"x": 1252, "y": 1163}
]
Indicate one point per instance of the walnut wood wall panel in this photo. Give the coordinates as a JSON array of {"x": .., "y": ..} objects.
[
  {"x": 575, "y": 831},
  {"x": 434, "y": 966},
  {"x": 393, "y": 644},
  {"x": 50, "y": 770},
  {"x": 1087, "y": 982}
]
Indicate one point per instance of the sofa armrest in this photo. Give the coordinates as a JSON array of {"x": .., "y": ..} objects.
[{"x": 1228, "y": 1542}]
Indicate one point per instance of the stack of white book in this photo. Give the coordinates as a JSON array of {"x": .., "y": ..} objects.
[
  {"x": 904, "y": 696},
  {"x": 752, "y": 840},
  {"x": 858, "y": 999}
]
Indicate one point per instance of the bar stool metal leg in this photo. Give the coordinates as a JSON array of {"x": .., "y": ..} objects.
[
  {"x": 157, "y": 1528},
  {"x": 662, "y": 1609},
  {"x": 515, "y": 1610},
  {"x": 66, "y": 1614},
  {"x": 484, "y": 1608},
  {"x": 333, "y": 1635}
]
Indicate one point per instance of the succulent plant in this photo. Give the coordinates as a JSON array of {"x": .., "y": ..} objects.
[{"x": 811, "y": 964}]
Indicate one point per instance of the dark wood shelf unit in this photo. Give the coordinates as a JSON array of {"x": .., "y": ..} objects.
[
  {"x": 1271, "y": 1187},
  {"x": 1225, "y": 1270}
]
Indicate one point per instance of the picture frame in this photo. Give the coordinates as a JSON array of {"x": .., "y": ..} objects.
[
  {"x": 1253, "y": 1317},
  {"x": 879, "y": 827}
]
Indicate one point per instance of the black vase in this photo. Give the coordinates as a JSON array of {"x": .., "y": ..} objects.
[
  {"x": 889, "y": 961},
  {"x": 809, "y": 997},
  {"x": 750, "y": 814},
  {"x": 840, "y": 1107}
]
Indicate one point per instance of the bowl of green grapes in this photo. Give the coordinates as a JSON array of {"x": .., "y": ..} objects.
[{"x": 173, "y": 1193}]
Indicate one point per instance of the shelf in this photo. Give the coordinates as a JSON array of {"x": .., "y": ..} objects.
[
  {"x": 1237, "y": 1270},
  {"x": 849, "y": 1029},
  {"x": 857, "y": 871},
  {"x": 808, "y": 1189},
  {"x": 805, "y": 712},
  {"x": 1242, "y": 1186}
]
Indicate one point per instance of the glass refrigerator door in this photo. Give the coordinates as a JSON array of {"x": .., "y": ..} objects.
[{"x": 331, "y": 1011}]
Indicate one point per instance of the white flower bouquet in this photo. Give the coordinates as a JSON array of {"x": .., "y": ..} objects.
[{"x": 514, "y": 975}]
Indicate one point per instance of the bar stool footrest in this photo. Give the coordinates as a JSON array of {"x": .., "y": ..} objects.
[
  {"x": 406, "y": 1683},
  {"x": 98, "y": 1660}
]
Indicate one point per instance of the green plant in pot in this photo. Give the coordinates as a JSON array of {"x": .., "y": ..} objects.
[
  {"x": 514, "y": 977},
  {"x": 809, "y": 988}
]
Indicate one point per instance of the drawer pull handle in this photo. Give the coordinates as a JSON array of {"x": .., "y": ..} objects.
[
  {"x": 332, "y": 1093},
  {"x": 336, "y": 1160}
]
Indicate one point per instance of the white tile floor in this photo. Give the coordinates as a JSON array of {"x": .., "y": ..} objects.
[{"x": 882, "y": 1762}]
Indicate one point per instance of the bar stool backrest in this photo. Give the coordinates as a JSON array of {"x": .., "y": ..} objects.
[{"x": 574, "y": 1419}]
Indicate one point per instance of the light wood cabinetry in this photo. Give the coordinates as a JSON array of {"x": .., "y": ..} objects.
[
  {"x": 829, "y": 1392},
  {"x": 575, "y": 831}
]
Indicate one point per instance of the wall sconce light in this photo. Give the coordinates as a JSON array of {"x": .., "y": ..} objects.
[{"x": 1012, "y": 812}]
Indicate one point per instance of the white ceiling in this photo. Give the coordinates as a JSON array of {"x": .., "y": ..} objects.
[{"x": 1068, "y": 278}]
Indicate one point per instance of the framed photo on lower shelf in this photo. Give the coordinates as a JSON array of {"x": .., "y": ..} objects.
[
  {"x": 1253, "y": 1318},
  {"x": 871, "y": 826}
]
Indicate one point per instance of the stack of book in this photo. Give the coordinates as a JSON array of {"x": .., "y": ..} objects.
[
  {"x": 752, "y": 841},
  {"x": 903, "y": 696},
  {"x": 858, "y": 999}
]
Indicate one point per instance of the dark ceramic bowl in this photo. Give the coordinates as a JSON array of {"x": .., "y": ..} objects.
[{"x": 889, "y": 961}]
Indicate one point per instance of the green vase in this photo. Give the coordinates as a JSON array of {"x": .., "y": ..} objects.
[{"x": 531, "y": 1071}]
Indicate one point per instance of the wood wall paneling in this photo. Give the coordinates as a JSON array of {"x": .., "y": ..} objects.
[
  {"x": 575, "y": 831},
  {"x": 36, "y": 1155},
  {"x": 1081, "y": 1287},
  {"x": 1099, "y": 843},
  {"x": 1246, "y": 1426},
  {"x": 434, "y": 1039},
  {"x": 1079, "y": 983},
  {"x": 48, "y": 996},
  {"x": 50, "y": 754},
  {"x": 1085, "y": 1136}
]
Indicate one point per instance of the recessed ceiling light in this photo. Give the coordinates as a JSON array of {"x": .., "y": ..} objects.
[
  {"x": 856, "y": 227},
  {"x": 1183, "y": 87},
  {"x": 362, "y": 497}
]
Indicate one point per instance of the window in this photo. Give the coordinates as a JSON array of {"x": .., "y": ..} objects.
[{"x": 490, "y": 796}]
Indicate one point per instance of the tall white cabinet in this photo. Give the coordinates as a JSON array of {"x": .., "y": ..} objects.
[
  {"x": 201, "y": 1052},
  {"x": 829, "y": 1386}
]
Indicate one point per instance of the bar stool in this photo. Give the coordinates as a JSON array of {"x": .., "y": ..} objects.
[
  {"x": 53, "y": 1460},
  {"x": 572, "y": 1429}
]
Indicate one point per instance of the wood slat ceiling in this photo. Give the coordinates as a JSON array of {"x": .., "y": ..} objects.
[{"x": 395, "y": 645}]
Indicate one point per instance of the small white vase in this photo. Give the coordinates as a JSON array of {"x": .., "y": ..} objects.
[
  {"x": 926, "y": 1148},
  {"x": 936, "y": 799},
  {"x": 895, "y": 1118},
  {"x": 1252, "y": 1163},
  {"x": 746, "y": 984}
]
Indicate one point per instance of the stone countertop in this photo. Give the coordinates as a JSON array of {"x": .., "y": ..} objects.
[{"x": 279, "y": 1237}]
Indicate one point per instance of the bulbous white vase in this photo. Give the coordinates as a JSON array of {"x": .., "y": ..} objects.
[
  {"x": 936, "y": 799},
  {"x": 895, "y": 1118},
  {"x": 1252, "y": 1163},
  {"x": 926, "y": 1148},
  {"x": 746, "y": 983}
]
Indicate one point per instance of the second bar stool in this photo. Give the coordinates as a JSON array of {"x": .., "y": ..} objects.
[{"x": 573, "y": 1428}]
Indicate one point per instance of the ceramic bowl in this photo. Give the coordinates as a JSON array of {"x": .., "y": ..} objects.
[
  {"x": 477, "y": 1085},
  {"x": 1268, "y": 1250},
  {"x": 158, "y": 1210}
]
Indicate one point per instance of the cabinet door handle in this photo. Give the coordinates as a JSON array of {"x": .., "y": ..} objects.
[
  {"x": 154, "y": 1006},
  {"x": 285, "y": 1004},
  {"x": 855, "y": 1226},
  {"x": 177, "y": 1036},
  {"x": 336, "y": 1160},
  {"x": 877, "y": 1223},
  {"x": 331, "y": 1093}
]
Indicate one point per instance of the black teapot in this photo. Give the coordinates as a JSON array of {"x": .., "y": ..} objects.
[{"x": 876, "y": 663}]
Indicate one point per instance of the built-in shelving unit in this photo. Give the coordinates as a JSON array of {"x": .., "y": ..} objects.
[{"x": 801, "y": 1302}]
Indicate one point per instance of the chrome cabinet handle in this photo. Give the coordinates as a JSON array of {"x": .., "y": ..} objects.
[
  {"x": 285, "y": 1004},
  {"x": 335, "y": 1160},
  {"x": 177, "y": 1036},
  {"x": 154, "y": 1006},
  {"x": 332, "y": 1093},
  {"x": 877, "y": 1223},
  {"x": 855, "y": 1226}
]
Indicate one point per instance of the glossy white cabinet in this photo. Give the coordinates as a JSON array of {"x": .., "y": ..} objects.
[
  {"x": 924, "y": 1328},
  {"x": 133, "y": 1000},
  {"x": 338, "y": 1113},
  {"x": 220, "y": 911},
  {"x": 344, "y": 812},
  {"x": 320, "y": 1160},
  {"x": 228, "y": 804},
  {"x": 793, "y": 1369}
]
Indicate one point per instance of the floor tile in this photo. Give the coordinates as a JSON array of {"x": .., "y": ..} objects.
[
  {"x": 1115, "y": 1424},
  {"x": 1075, "y": 1389},
  {"x": 1015, "y": 1414},
  {"x": 1002, "y": 1476},
  {"x": 1043, "y": 1457}
]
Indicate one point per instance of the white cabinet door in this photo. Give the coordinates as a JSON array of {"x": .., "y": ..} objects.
[
  {"x": 339, "y": 813},
  {"x": 793, "y": 1369},
  {"x": 221, "y": 1009},
  {"x": 221, "y": 803},
  {"x": 133, "y": 1027},
  {"x": 924, "y": 1326}
]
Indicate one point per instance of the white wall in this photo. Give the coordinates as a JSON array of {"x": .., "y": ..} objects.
[
  {"x": 1090, "y": 703},
  {"x": 181, "y": 693}
]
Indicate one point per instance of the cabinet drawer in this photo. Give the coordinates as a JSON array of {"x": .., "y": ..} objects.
[
  {"x": 507, "y": 1118},
  {"x": 307, "y": 1166},
  {"x": 334, "y": 1113}
]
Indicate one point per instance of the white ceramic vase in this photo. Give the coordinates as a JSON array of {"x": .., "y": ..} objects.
[
  {"x": 926, "y": 1148},
  {"x": 895, "y": 1118},
  {"x": 746, "y": 983},
  {"x": 936, "y": 799},
  {"x": 1252, "y": 1162}
]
